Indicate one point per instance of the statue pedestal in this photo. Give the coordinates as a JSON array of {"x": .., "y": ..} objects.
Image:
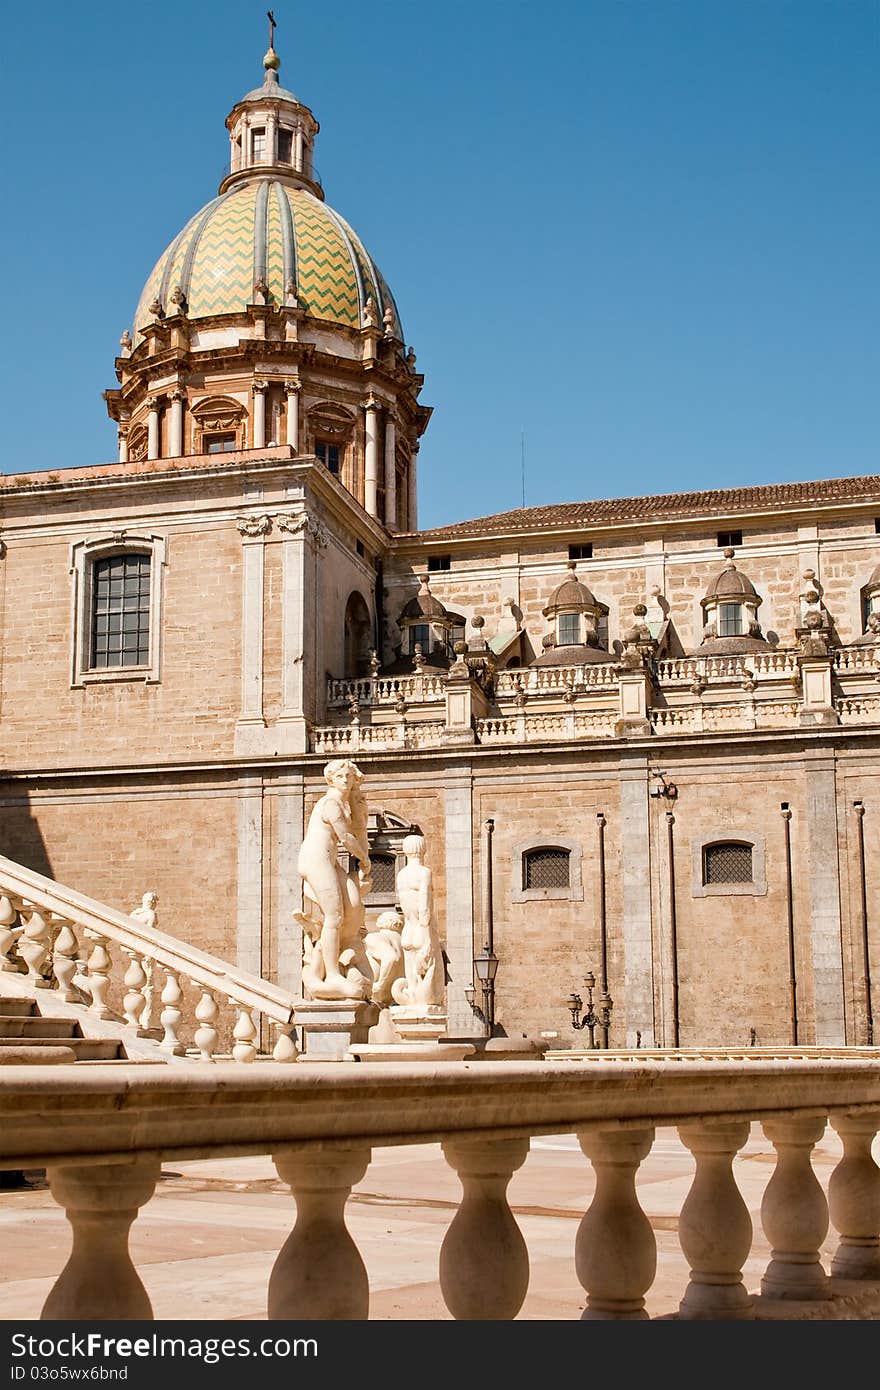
[
  {"x": 408, "y": 1033},
  {"x": 330, "y": 1026},
  {"x": 419, "y": 1022}
]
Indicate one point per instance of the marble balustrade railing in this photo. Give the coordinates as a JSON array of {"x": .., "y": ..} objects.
[
  {"x": 102, "y": 1135},
  {"x": 74, "y": 945}
]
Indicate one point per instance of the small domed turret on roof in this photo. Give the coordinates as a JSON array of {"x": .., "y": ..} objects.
[
  {"x": 871, "y": 607},
  {"x": 731, "y": 583},
  {"x": 730, "y": 608},
  {"x": 575, "y": 613},
  {"x": 571, "y": 594},
  {"x": 427, "y": 605}
]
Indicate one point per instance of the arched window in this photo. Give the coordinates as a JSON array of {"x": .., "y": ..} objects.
[
  {"x": 727, "y": 861},
  {"x": 546, "y": 867},
  {"x": 358, "y": 637}
]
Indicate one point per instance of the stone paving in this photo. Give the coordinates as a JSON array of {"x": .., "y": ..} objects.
[{"x": 206, "y": 1243}]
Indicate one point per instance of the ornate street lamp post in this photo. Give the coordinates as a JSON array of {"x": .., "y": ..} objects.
[
  {"x": 485, "y": 968},
  {"x": 590, "y": 1019}
]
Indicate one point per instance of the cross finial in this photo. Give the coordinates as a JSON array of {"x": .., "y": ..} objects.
[{"x": 272, "y": 27}]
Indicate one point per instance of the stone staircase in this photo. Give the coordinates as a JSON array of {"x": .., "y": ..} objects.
[
  {"x": 82, "y": 982},
  {"x": 26, "y": 1035}
]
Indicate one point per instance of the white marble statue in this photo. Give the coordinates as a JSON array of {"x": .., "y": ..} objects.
[
  {"x": 335, "y": 963},
  {"x": 422, "y": 984},
  {"x": 147, "y": 913},
  {"x": 385, "y": 953}
]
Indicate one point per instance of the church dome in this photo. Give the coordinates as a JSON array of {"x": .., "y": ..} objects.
[{"x": 268, "y": 228}]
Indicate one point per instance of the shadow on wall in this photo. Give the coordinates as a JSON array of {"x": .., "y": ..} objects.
[{"x": 21, "y": 838}]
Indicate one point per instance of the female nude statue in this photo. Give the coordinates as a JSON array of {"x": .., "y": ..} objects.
[{"x": 335, "y": 962}]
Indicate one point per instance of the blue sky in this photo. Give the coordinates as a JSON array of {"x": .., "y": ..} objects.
[{"x": 641, "y": 232}]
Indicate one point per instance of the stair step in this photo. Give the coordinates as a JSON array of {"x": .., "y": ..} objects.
[
  {"x": 85, "y": 1049},
  {"x": 35, "y": 1027},
  {"x": 17, "y": 1008}
]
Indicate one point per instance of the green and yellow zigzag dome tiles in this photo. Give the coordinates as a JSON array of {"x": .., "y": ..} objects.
[{"x": 270, "y": 229}]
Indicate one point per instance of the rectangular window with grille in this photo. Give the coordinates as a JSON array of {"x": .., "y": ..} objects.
[
  {"x": 420, "y": 635},
  {"x": 727, "y": 863},
  {"x": 285, "y": 146},
  {"x": 120, "y": 626},
  {"x": 546, "y": 868},
  {"x": 384, "y": 877},
  {"x": 727, "y": 538},
  {"x": 258, "y": 144},
  {"x": 730, "y": 620}
]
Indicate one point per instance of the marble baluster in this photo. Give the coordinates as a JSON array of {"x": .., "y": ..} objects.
[
  {"x": 285, "y": 1049},
  {"x": 206, "y": 1034},
  {"x": 34, "y": 946},
  {"x": 134, "y": 980},
  {"x": 714, "y": 1228},
  {"x": 9, "y": 933},
  {"x": 170, "y": 1016},
  {"x": 99, "y": 1281},
  {"x": 98, "y": 979},
  {"x": 319, "y": 1273},
  {"x": 794, "y": 1212},
  {"x": 854, "y": 1198},
  {"x": 65, "y": 964},
  {"x": 484, "y": 1263},
  {"x": 245, "y": 1035},
  {"x": 615, "y": 1248}
]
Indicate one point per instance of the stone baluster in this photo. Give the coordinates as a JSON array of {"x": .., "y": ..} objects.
[
  {"x": 9, "y": 933},
  {"x": 206, "y": 1034},
  {"x": 615, "y": 1249},
  {"x": 285, "y": 1049},
  {"x": 794, "y": 1212},
  {"x": 319, "y": 1273},
  {"x": 146, "y": 1018},
  {"x": 170, "y": 1015},
  {"x": 134, "y": 980},
  {"x": 854, "y": 1198},
  {"x": 65, "y": 964},
  {"x": 245, "y": 1034},
  {"x": 34, "y": 946},
  {"x": 484, "y": 1263},
  {"x": 98, "y": 978},
  {"x": 101, "y": 1201},
  {"x": 714, "y": 1228}
]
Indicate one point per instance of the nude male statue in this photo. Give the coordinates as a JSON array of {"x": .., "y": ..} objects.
[
  {"x": 335, "y": 963},
  {"x": 422, "y": 953}
]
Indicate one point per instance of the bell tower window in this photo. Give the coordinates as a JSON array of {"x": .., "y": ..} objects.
[{"x": 330, "y": 455}]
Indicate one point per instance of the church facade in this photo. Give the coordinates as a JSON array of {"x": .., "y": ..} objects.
[{"x": 641, "y": 737}]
